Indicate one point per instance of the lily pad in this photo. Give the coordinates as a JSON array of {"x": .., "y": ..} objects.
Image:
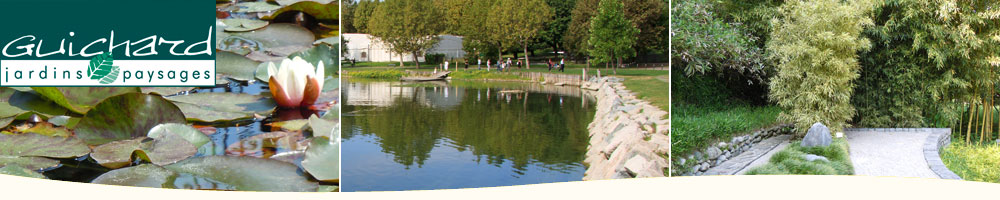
[
  {"x": 17, "y": 104},
  {"x": 275, "y": 36},
  {"x": 20, "y": 171},
  {"x": 323, "y": 159},
  {"x": 61, "y": 120},
  {"x": 81, "y": 99},
  {"x": 262, "y": 73},
  {"x": 47, "y": 129},
  {"x": 256, "y": 6},
  {"x": 212, "y": 107},
  {"x": 240, "y": 25},
  {"x": 163, "y": 150},
  {"x": 235, "y": 66},
  {"x": 164, "y": 91},
  {"x": 125, "y": 117},
  {"x": 291, "y": 125},
  {"x": 290, "y": 2},
  {"x": 327, "y": 11},
  {"x": 328, "y": 188},
  {"x": 32, "y": 150},
  {"x": 189, "y": 133},
  {"x": 266, "y": 145},
  {"x": 141, "y": 176},
  {"x": 324, "y": 128},
  {"x": 247, "y": 173}
]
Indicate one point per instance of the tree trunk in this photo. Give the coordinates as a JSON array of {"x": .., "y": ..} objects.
[
  {"x": 527, "y": 64},
  {"x": 416, "y": 60},
  {"x": 615, "y": 71},
  {"x": 400, "y": 59}
]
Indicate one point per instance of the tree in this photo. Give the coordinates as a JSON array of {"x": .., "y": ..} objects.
[
  {"x": 575, "y": 39},
  {"x": 472, "y": 25},
  {"x": 406, "y": 26},
  {"x": 555, "y": 30},
  {"x": 453, "y": 12},
  {"x": 362, "y": 12},
  {"x": 517, "y": 22},
  {"x": 347, "y": 17},
  {"x": 612, "y": 36},
  {"x": 648, "y": 17},
  {"x": 816, "y": 44}
]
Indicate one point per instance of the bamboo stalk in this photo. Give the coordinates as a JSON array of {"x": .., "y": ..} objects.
[{"x": 968, "y": 130}]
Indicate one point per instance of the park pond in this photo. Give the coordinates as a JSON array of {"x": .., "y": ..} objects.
[{"x": 460, "y": 134}]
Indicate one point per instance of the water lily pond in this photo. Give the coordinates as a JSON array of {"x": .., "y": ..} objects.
[
  {"x": 256, "y": 130},
  {"x": 446, "y": 135}
]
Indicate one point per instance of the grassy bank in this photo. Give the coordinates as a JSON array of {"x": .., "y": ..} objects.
[
  {"x": 792, "y": 161},
  {"x": 655, "y": 90},
  {"x": 973, "y": 162},
  {"x": 704, "y": 111},
  {"x": 575, "y": 69}
]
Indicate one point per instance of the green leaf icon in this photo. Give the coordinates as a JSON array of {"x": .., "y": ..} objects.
[{"x": 101, "y": 68}]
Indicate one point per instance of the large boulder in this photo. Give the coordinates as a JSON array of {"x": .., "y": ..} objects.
[{"x": 818, "y": 136}]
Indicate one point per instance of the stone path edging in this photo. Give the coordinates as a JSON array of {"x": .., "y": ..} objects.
[
  {"x": 936, "y": 140},
  {"x": 716, "y": 155}
]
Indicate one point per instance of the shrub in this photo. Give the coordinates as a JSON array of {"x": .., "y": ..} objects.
[
  {"x": 702, "y": 42},
  {"x": 434, "y": 58},
  {"x": 815, "y": 44}
]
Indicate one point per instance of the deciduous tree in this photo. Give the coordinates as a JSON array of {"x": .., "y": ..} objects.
[
  {"x": 406, "y": 26},
  {"x": 612, "y": 35}
]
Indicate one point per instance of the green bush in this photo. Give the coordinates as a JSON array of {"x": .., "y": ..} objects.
[
  {"x": 973, "y": 162},
  {"x": 702, "y": 42},
  {"x": 376, "y": 74},
  {"x": 434, "y": 58},
  {"x": 816, "y": 44},
  {"x": 792, "y": 161}
]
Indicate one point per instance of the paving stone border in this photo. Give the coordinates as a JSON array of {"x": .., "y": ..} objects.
[
  {"x": 938, "y": 139},
  {"x": 628, "y": 136},
  {"x": 698, "y": 163}
]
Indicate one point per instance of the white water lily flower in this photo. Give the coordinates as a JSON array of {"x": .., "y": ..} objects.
[{"x": 295, "y": 83}]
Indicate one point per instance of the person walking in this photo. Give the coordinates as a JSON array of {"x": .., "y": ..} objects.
[
  {"x": 562, "y": 65},
  {"x": 550, "y": 65},
  {"x": 479, "y": 65}
]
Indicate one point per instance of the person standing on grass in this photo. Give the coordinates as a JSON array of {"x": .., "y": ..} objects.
[
  {"x": 488, "y": 64},
  {"x": 562, "y": 65},
  {"x": 446, "y": 65},
  {"x": 479, "y": 64}
]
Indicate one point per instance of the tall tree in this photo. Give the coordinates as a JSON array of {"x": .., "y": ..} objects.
[
  {"x": 552, "y": 35},
  {"x": 648, "y": 17},
  {"x": 362, "y": 14},
  {"x": 407, "y": 26},
  {"x": 347, "y": 17},
  {"x": 477, "y": 40},
  {"x": 612, "y": 35},
  {"x": 453, "y": 12},
  {"x": 575, "y": 39},
  {"x": 515, "y": 23}
]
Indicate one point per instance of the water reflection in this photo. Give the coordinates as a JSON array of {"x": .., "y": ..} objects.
[{"x": 405, "y": 136}]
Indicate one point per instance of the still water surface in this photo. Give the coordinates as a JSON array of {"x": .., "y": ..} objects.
[{"x": 438, "y": 135}]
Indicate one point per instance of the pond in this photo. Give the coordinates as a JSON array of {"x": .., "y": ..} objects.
[{"x": 440, "y": 135}]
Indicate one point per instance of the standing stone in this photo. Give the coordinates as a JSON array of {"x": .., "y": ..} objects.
[{"x": 818, "y": 135}]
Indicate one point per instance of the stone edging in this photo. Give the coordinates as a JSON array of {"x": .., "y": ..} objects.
[
  {"x": 937, "y": 139},
  {"x": 628, "y": 136},
  {"x": 715, "y": 155}
]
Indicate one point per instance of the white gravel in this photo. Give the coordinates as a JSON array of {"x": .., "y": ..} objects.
[{"x": 898, "y": 154}]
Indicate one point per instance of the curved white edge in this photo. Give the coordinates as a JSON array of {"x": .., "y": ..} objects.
[{"x": 705, "y": 187}]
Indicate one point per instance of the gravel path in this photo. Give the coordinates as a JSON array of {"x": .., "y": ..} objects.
[{"x": 898, "y": 154}]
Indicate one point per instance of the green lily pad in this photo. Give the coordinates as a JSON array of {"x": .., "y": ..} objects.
[
  {"x": 163, "y": 150},
  {"x": 323, "y": 159},
  {"x": 189, "y": 133},
  {"x": 256, "y": 6},
  {"x": 125, "y": 117},
  {"x": 81, "y": 99},
  {"x": 262, "y": 74},
  {"x": 319, "y": 53},
  {"x": 61, "y": 120},
  {"x": 332, "y": 41},
  {"x": 324, "y": 128},
  {"x": 32, "y": 150},
  {"x": 16, "y": 104},
  {"x": 247, "y": 173},
  {"x": 241, "y": 25},
  {"x": 141, "y": 176},
  {"x": 328, "y": 11},
  {"x": 164, "y": 91},
  {"x": 291, "y": 125},
  {"x": 213, "y": 107},
  {"x": 20, "y": 171},
  {"x": 47, "y": 129},
  {"x": 235, "y": 66},
  {"x": 272, "y": 38}
]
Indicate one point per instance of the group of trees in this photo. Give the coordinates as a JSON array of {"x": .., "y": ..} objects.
[
  {"x": 872, "y": 63},
  {"x": 493, "y": 27}
]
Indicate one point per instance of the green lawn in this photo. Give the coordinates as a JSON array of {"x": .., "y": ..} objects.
[
  {"x": 655, "y": 90},
  {"x": 576, "y": 69},
  {"x": 792, "y": 160},
  {"x": 973, "y": 162}
]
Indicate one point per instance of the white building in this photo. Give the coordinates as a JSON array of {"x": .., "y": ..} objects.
[{"x": 366, "y": 48}]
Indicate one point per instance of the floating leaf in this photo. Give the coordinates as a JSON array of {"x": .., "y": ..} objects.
[
  {"x": 61, "y": 120},
  {"x": 116, "y": 154},
  {"x": 291, "y": 125},
  {"x": 324, "y": 128},
  {"x": 323, "y": 53},
  {"x": 162, "y": 150},
  {"x": 328, "y": 11},
  {"x": 266, "y": 145},
  {"x": 323, "y": 159},
  {"x": 32, "y": 150},
  {"x": 164, "y": 91},
  {"x": 47, "y": 129},
  {"x": 212, "y": 107},
  {"x": 20, "y": 171},
  {"x": 262, "y": 73},
  {"x": 256, "y": 6},
  {"x": 271, "y": 38},
  {"x": 247, "y": 173},
  {"x": 81, "y": 99},
  {"x": 16, "y": 104},
  {"x": 240, "y": 25},
  {"x": 235, "y": 66},
  {"x": 290, "y": 2},
  {"x": 191, "y": 134},
  {"x": 126, "y": 116},
  {"x": 141, "y": 176}
]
